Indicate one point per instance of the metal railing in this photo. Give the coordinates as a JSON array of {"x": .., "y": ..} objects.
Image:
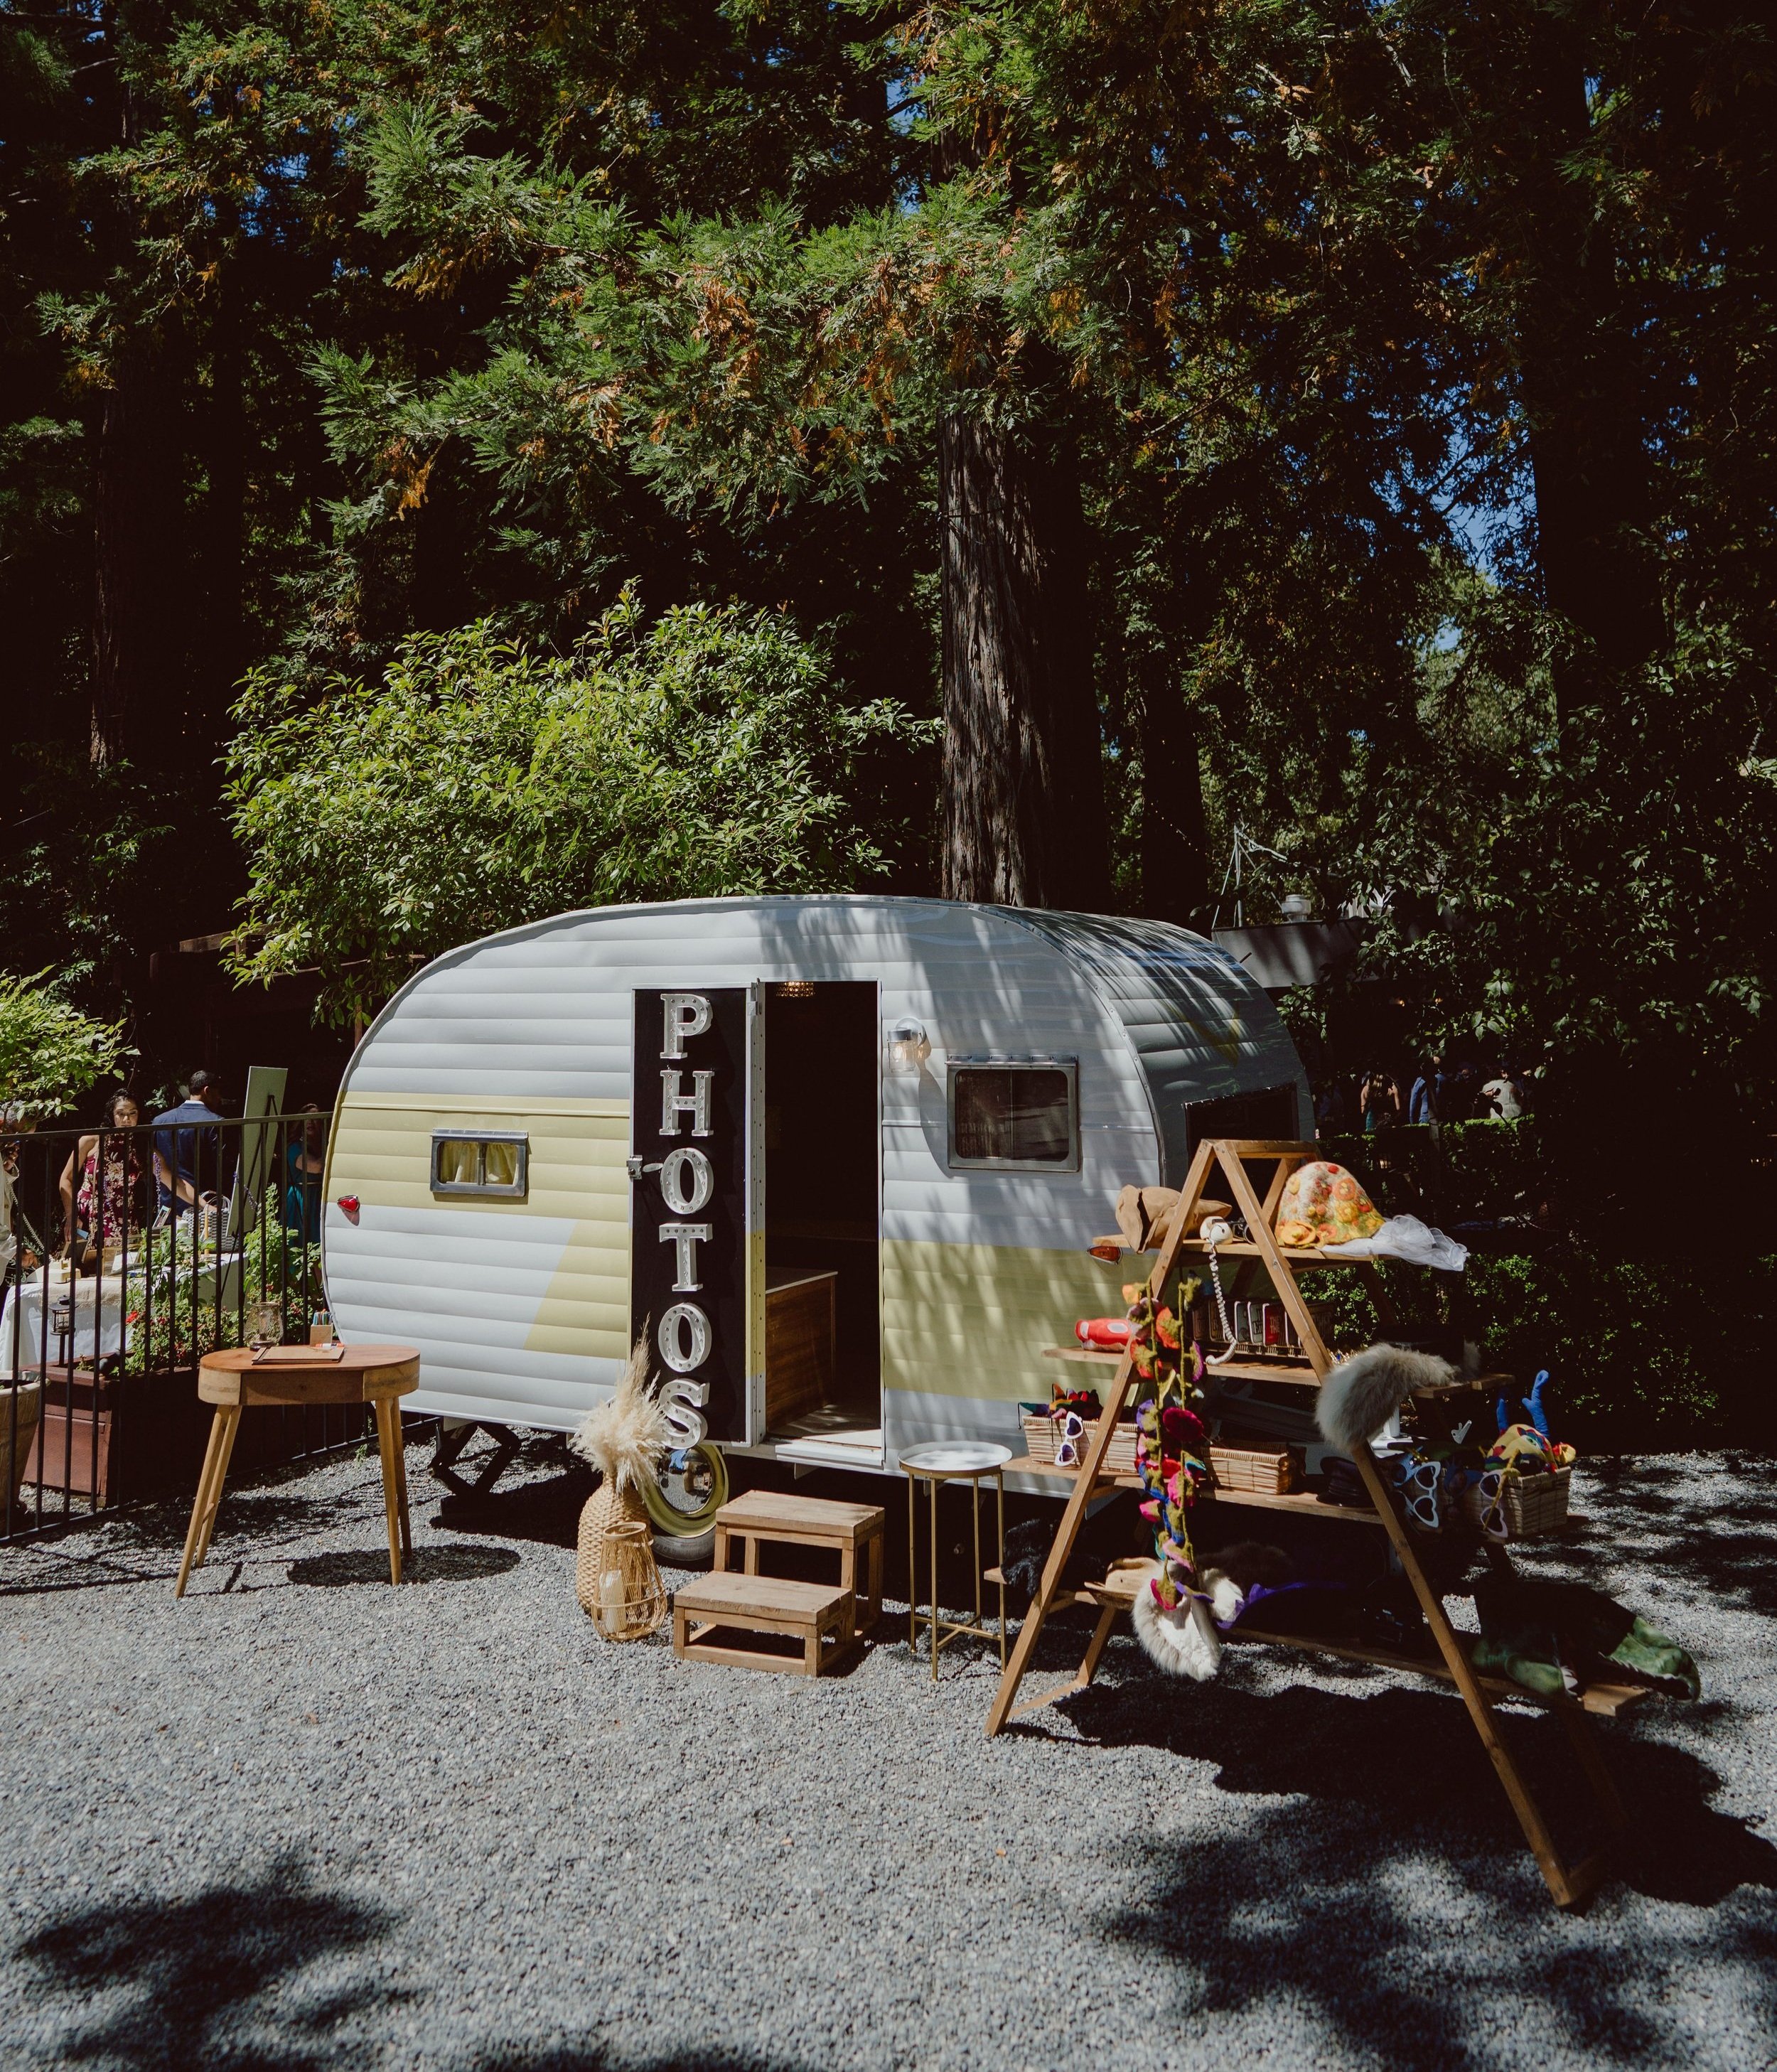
[{"x": 128, "y": 1254}]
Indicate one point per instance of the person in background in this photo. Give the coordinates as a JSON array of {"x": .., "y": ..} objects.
[
  {"x": 103, "y": 1211},
  {"x": 1379, "y": 1101},
  {"x": 1422, "y": 1102},
  {"x": 1503, "y": 1096},
  {"x": 178, "y": 1150},
  {"x": 305, "y": 1161},
  {"x": 1329, "y": 1110},
  {"x": 1457, "y": 1093}
]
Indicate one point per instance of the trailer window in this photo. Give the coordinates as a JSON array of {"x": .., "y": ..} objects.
[
  {"x": 493, "y": 1163},
  {"x": 1015, "y": 1112}
]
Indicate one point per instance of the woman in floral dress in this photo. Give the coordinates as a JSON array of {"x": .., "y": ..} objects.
[{"x": 106, "y": 1206}]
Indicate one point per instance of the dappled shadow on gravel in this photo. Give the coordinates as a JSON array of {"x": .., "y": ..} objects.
[
  {"x": 258, "y": 1514},
  {"x": 1382, "y": 1762},
  {"x": 590, "y": 2057},
  {"x": 216, "y": 1981},
  {"x": 1377, "y": 1890},
  {"x": 425, "y": 1564},
  {"x": 545, "y": 1512},
  {"x": 1395, "y": 1945}
]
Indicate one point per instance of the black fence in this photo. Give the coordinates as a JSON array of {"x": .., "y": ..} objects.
[{"x": 128, "y": 1254}]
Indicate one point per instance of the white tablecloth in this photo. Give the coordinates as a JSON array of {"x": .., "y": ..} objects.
[{"x": 99, "y": 1308}]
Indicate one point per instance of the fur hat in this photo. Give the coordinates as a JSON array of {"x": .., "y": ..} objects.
[
  {"x": 1361, "y": 1394},
  {"x": 1183, "y": 1641}
]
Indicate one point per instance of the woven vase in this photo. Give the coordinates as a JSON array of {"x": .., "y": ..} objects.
[{"x": 616, "y": 1576}]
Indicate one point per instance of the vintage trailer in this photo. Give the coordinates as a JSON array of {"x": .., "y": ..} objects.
[{"x": 841, "y": 1157}]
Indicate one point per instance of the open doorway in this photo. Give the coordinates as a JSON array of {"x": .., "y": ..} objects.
[{"x": 823, "y": 1359}]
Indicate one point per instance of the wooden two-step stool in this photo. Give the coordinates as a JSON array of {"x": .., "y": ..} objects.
[{"x": 827, "y": 1618}]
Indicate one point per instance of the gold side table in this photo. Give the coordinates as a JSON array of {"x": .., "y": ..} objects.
[{"x": 953, "y": 1460}]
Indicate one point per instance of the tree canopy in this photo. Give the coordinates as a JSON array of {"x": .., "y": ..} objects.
[{"x": 1351, "y": 420}]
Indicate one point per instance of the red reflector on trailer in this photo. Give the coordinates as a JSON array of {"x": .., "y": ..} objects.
[{"x": 349, "y": 1204}]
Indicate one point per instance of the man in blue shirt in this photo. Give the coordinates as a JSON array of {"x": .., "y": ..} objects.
[{"x": 187, "y": 1158}]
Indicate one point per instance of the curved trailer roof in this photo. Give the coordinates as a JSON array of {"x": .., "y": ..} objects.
[{"x": 537, "y": 1020}]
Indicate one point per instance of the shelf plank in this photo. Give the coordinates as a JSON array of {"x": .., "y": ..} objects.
[
  {"x": 1607, "y": 1700},
  {"x": 1304, "y": 1504}
]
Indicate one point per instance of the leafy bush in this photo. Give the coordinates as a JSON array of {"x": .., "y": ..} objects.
[
  {"x": 49, "y": 1051},
  {"x": 167, "y": 1328},
  {"x": 481, "y": 785},
  {"x": 1648, "y": 1342}
]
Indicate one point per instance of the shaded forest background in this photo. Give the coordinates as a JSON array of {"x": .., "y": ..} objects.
[{"x": 991, "y": 451}]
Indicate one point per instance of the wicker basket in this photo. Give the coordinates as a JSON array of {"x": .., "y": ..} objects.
[
  {"x": 1040, "y": 1440},
  {"x": 615, "y": 1574},
  {"x": 1526, "y": 1505},
  {"x": 1040, "y": 1432},
  {"x": 1270, "y": 1471}
]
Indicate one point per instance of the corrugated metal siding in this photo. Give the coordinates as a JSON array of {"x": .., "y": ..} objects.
[
  {"x": 539, "y": 1019},
  {"x": 1200, "y": 1026}
]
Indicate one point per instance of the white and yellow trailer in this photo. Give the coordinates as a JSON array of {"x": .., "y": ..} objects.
[{"x": 916, "y": 1112}]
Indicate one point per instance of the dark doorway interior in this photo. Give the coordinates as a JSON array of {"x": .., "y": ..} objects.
[{"x": 821, "y": 1139}]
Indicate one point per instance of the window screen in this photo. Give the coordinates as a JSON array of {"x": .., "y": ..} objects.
[
  {"x": 1016, "y": 1113},
  {"x": 492, "y": 1162}
]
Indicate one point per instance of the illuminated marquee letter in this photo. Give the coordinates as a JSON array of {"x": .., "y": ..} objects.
[
  {"x": 682, "y": 1015},
  {"x": 687, "y": 1180},
  {"x": 683, "y": 1400},
  {"x": 674, "y": 1103},
  {"x": 684, "y": 1337},
  {"x": 687, "y": 1237}
]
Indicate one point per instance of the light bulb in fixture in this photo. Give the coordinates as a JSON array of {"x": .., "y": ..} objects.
[{"x": 907, "y": 1047}]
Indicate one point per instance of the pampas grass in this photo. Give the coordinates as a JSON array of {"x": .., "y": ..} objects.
[{"x": 627, "y": 1438}]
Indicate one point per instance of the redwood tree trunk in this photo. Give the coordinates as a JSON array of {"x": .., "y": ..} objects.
[
  {"x": 121, "y": 601},
  {"x": 1174, "y": 868},
  {"x": 1023, "y": 782},
  {"x": 1583, "y": 400}
]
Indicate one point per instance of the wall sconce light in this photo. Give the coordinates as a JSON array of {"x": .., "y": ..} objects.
[{"x": 907, "y": 1047}]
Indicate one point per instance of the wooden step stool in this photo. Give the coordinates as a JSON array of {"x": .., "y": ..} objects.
[
  {"x": 818, "y": 1615},
  {"x": 853, "y": 1531}
]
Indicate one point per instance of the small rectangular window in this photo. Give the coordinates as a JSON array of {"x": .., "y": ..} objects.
[
  {"x": 490, "y": 1162},
  {"x": 1020, "y": 1113}
]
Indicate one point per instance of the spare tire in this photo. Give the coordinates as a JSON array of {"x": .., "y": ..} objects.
[
  {"x": 682, "y": 1503},
  {"x": 680, "y": 1550}
]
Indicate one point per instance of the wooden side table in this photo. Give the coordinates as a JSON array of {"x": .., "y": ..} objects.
[{"x": 238, "y": 1379}]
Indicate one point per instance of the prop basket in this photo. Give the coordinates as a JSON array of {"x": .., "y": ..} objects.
[
  {"x": 1040, "y": 1440},
  {"x": 1526, "y": 1505},
  {"x": 1271, "y": 1471}
]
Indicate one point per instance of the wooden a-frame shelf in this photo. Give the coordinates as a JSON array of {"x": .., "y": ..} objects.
[{"x": 1570, "y": 1885}]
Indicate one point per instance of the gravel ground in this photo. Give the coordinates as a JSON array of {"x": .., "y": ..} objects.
[{"x": 302, "y": 1821}]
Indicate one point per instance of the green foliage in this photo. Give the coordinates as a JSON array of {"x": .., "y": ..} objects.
[
  {"x": 175, "y": 1318},
  {"x": 481, "y": 785},
  {"x": 49, "y": 1051}
]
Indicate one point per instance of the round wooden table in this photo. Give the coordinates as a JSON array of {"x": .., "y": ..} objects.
[{"x": 239, "y": 1379}]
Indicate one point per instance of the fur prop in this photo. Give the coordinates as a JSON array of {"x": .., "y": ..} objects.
[
  {"x": 627, "y": 1438},
  {"x": 1361, "y": 1394},
  {"x": 1183, "y": 1641}
]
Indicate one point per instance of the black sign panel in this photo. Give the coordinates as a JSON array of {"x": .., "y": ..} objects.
[{"x": 687, "y": 1236}]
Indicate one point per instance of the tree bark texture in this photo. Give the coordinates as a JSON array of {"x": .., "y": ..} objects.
[
  {"x": 1023, "y": 780},
  {"x": 1584, "y": 403},
  {"x": 130, "y": 551},
  {"x": 1174, "y": 867}
]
